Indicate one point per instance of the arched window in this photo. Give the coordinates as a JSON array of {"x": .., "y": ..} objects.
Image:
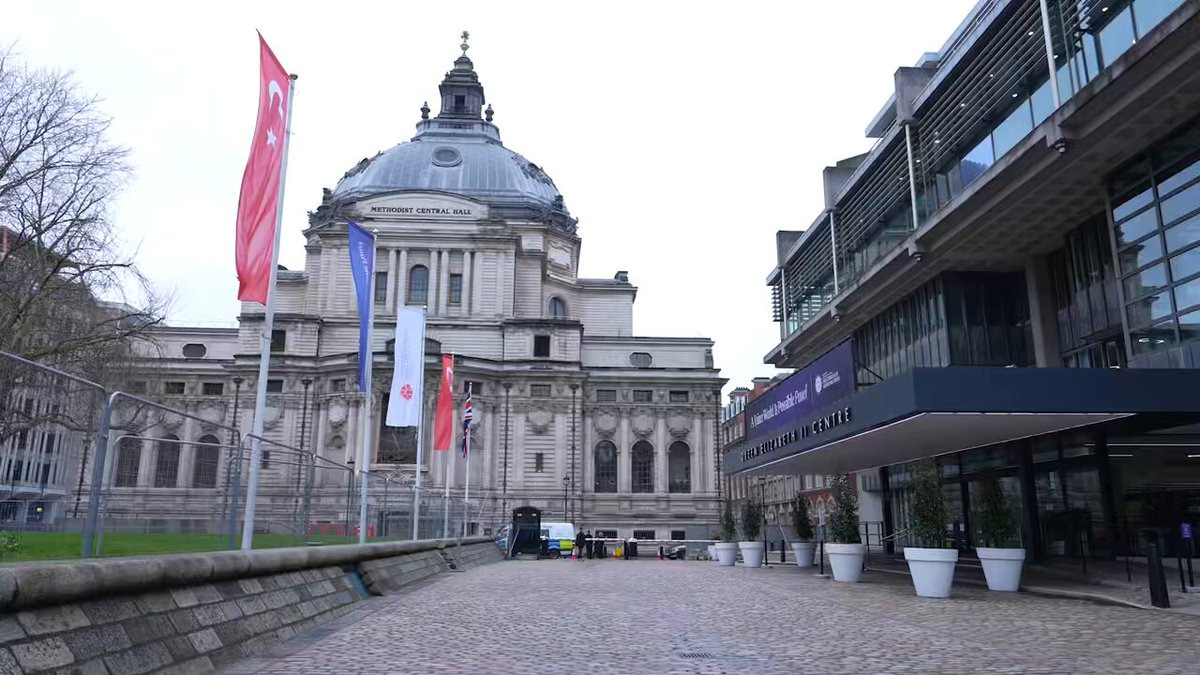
[
  {"x": 208, "y": 458},
  {"x": 166, "y": 464},
  {"x": 558, "y": 308},
  {"x": 679, "y": 467},
  {"x": 418, "y": 285},
  {"x": 606, "y": 467},
  {"x": 643, "y": 467},
  {"x": 129, "y": 459}
]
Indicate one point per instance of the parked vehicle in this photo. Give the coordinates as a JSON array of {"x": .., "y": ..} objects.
[{"x": 559, "y": 539}]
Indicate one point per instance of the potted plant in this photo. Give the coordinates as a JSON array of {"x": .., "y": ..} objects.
[
  {"x": 752, "y": 547},
  {"x": 932, "y": 568},
  {"x": 802, "y": 548},
  {"x": 727, "y": 546},
  {"x": 997, "y": 528},
  {"x": 846, "y": 551}
]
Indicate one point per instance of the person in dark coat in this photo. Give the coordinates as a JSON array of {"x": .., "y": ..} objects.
[
  {"x": 580, "y": 543},
  {"x": 591, "y": 545}
]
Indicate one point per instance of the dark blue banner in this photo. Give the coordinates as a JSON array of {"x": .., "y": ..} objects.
[
  {"x": 362, "y": 266},
  {"x": 787, "y": 406}
]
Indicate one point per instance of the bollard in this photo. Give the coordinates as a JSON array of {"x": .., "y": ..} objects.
[
  {"x": 783, "y": 552},
  {"x": 1158, "y": 580},
  {"x": 822, "y": 557}
]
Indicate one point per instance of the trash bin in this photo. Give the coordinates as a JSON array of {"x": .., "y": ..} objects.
[{"x": 633, "y": 552}]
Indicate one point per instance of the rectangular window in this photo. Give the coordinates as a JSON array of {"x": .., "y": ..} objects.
[
  {"x": 173, "y": 388},
  {"x": 539, "y": 390},
  {"x": 1149, "y": 309},
  {"x": 278, "y": 340},
  {"x": 606, "y": 534},
  {"x": 166, "y": 465},
  {"x": 1015, "y": 127},
  {"x": 137, "y": 387},
  {"x": 456, "y": 289},
  {"x": 1185, "y": 265},
  {"x": 337, "y": 385},
  {"x": 214, "y": 388},
  {"x": 128, "y": 461},
  {"x": 1149, "y": 280},
  {"x": 678, "y": 535},
  {"x": 539, "y": 462},
  {"x": 1141, "y": 254},
  {"x": 1180, "y": 204},
  {"x": 1189, "y": 326},
  {"x": 643, "y": 396},
  {"x": 1149, "y": 13},
  {"x": 1136, "y": 227},
  {"x": 606, "y": 395},
  {"x": 679, "y": 397},
  {"x": 1184, "y": 234},
  {"x": 381, "y": 280},
  {"x": 643, "y": 535},
  {"x": 1117, "y": 37},
  {"x": 1187, "y": 296},
  {"x": 1042, "y": 103},
  {"x": 977, "y": 161},
  {"x": 541, "y": 346},
  {"x": 274, "y": 386}
]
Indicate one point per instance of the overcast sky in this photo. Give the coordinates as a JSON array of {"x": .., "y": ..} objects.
[{"x": 682, "y": 135}]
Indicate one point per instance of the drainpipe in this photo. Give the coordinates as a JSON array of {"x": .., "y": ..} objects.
[{"x": 912, "y": 173}]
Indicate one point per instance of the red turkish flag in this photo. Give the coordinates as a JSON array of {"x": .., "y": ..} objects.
[
  {"x": 443, "y": 421},
  {"x": 260, "y": 182}
]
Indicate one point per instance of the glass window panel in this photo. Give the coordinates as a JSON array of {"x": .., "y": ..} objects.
[
  {"x": 1149, "y": 309},
  {"x": 1188, "y": 295},
  {"x": 977, "y": 161},
  {"x": 1132, "y": 204},
  {"x": 1181, "y": 204},
  {"x": 1116, "y": 37},
  {"x": 1137, "y": 227},
  {"x": 1153, "y": 339},
  {"x": 1184, "y": 234},
  {"x": 1149, "y": 13},
  {"x": 1149, "y": 280},
  {"x": 1140, "y": 254},
  {"x": 1089, "y": 60},
  {"x": 1042, "y": 103},
  {"x": 1016, "y": 126},
  {"x": 1184, "y": 175},
  {"x": 1064, "y": 83},
  {"x": 1185, "y": 264},
  {"x": 1189, "y": 326}
]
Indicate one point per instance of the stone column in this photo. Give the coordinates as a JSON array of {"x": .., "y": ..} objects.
[
  {"x": 187, "y": 453},
  {"x": 477, "y": 286},
  {"x": 1043, "y": 318},
  {"x": 486, "y": 457},
  {"x": 517, "y": 452},
  {"x": 465, "y": 304},
  {"x": 402, "y": 279},
  {"x": 444, "y": 283},
  {"x": 624, "y": 465},
  {"x": 587, "y": 456},
  {"x": 431, "y": 295},
  {"x": 661, "y": 441},
  {"x": 145, "y": 477},
  {"x": 390, "y": 303}
]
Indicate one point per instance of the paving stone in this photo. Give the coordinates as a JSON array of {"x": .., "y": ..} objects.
[
  {"x": 208, "y": 615},
  {"x": 152, "y": 603},
  {"x": 184, "y": 621},
  {"x": 205, "y": 640},
  {"x": 91, "y": 642},
  {"x": 110, "y": 610},
  {"x": 208, "y": 593},
  {"x": 43, "y": 654},
  {"x": 193, "y": 667},
  {"x": 249, "y": 586},
  {"x": 8, "y": 663},
  {"x": 52, "y": 619},
  {"x": 185, "y": 597},
  {"x": 252, "y": 605},
  {"x": 181, "y": 647},
  {"x": 93, "y": 667},
  {"x": 10, "y": 630},
  {"x": 140, "y": 659},
  {"x": 148, "y": 629}
]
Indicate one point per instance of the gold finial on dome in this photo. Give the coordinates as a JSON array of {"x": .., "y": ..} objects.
[{"x": 464, "y": 46}]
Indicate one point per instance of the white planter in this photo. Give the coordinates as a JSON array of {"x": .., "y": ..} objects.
[
  {"x": 803, "y": 552},
  {"x": 712, "y": 554},
  {"x": 1002, "y": 567},
  {"x": 752, "y": 553},
  {"x": 846, "y": 561},
  {"x": 932, "y": 570},
  {"x": 727, "y": 553}
]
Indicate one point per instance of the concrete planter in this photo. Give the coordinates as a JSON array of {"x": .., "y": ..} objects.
[
  {"x": 1002, "y": 567},
  {"x": 846, "y": 561},
  {"x": 932, "y": 570},
  {"x": 803, "y": 552},
  {"x": 726, "y": 553},
  {"x": 712, "y": 554},
  {"x": 752, "y": 553}
]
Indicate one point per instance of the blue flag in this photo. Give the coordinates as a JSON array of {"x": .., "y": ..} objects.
[{"x": 362, "y": 266}]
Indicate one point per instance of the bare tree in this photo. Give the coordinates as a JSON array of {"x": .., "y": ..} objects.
[{"x": 70, "y": 297}]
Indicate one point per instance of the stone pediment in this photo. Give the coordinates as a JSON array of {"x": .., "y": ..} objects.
[{"x": 421, "y": 206}]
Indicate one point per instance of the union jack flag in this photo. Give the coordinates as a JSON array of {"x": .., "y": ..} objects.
[{"x": 468, "y": 416}]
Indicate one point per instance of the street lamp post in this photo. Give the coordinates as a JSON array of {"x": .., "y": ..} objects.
[
  {"x": 566, "y": 482},
  {"x": 574, "y": 484}
]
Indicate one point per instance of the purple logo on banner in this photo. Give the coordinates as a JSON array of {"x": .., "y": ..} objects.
[
  {"x": 1186, "y": 530},
  {"x": 788, "y": 404},
  {"x": 362, "y": 266}
]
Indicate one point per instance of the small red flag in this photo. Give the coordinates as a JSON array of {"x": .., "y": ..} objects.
[
  {"x": 260, "y": 182},
  {"x": 443, "y": 421}
]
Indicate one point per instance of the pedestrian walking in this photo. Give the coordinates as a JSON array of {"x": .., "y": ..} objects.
[
  {"x": 591, "y": 545},
  {"x": 581, "y": 540}
]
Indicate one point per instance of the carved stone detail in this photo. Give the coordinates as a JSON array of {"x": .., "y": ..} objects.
[
  {"x": 540, "y": 421},
  {"x": 679, "y": 426},
  {"x": 642, "y": 425}
]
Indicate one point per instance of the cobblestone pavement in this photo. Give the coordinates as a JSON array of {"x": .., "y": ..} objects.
[{"x": 691, "y": 617}]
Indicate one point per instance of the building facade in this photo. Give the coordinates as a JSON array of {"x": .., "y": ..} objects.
[
  {"x": 1010, "y": 279},
  {"x": 574, "y": 414}
]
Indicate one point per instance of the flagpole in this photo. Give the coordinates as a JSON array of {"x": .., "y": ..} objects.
[
  {"x": 467, "y": 492},
  {"x": 446, "y": 471},
  {"x": 416, "y": 523},
  {"x": 364, "y": 463},
  {"x": 264, "y": 362}
]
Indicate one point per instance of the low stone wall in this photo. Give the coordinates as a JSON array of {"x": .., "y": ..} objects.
[{"x": 192, "y": 613}]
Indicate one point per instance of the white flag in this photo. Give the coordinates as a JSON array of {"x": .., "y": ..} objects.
[{"x": 404, "y": 403}]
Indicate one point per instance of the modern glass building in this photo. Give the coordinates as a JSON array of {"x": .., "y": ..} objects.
[{"x": 1010, "y": 281}]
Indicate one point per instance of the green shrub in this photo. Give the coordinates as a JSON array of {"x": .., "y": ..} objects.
[
  {"x": 752, "y": 517},
  {"x": 801, "y": 521},
  {"x": 843, "y": 520},
  {"x": 9, "y": 545},
  {"x": 997, "y": 526},
  {"x": 929, "y": 506},
  {"x": 728, "y": 524}
]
